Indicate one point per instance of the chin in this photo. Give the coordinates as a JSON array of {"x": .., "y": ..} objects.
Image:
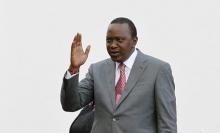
[{"x": 117, "y": 59}]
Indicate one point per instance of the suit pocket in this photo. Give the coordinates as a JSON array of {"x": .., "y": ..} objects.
[
  {"x": 139, "y": 85},
  {"x": 143, "y": 87}
]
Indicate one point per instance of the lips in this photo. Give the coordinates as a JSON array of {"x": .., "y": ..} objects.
[{"x": 114, "y": 53}]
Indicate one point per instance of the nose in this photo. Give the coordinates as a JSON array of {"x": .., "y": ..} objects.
[{"x": 113, "y": 44}]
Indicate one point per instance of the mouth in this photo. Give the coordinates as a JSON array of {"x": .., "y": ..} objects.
[{"x": 114, "y": 53}]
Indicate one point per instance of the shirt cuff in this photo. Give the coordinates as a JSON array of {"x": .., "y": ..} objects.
[{"x": 69, "y": 76}]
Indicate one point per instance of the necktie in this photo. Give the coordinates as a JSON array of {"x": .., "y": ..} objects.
[{"x": 120, "y": 86}]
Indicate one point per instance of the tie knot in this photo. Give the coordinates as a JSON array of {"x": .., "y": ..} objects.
[{"x": 121, "y": 66}]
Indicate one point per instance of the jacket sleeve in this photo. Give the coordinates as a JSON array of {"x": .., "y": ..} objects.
[
  {"x": 74, "y": 94},
  {"x": 165, "y": 100}
]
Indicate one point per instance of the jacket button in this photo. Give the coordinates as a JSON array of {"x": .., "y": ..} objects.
[{"x": 115, "y": 118}]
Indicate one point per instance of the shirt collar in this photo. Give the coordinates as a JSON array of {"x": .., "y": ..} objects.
[{"x": 130, "y": 61}]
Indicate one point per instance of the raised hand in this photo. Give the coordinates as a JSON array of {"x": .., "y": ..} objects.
[{"x": 78, "y": 56}]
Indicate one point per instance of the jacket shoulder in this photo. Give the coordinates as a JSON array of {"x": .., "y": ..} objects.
[
  {"x": 152, "y": 60},
  {"x": 102, "y": 62}
]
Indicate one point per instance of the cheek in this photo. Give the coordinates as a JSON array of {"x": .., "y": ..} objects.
[
  {"x": 107, "y": 47},
  {"x": 125, "y": 49}
]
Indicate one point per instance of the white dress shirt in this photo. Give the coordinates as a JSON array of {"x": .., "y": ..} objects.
[{"x": 128, "y": 65}]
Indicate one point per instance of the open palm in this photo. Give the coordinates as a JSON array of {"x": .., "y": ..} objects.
[{"x": 78, "y": 56}]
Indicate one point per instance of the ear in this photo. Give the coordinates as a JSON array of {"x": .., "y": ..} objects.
[{"x": 135, "y": 40}]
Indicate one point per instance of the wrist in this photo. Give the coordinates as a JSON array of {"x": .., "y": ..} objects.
[{"x": 73, "y": 70}]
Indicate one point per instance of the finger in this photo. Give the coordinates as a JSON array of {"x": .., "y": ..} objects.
[
  {"x": 87, "y": 50},
  {"x": 79, "y": 40},
  {"x": 80, "y": 37},
  {"x": 75, "y": 37},
  {"x": 74, "y": 41}
]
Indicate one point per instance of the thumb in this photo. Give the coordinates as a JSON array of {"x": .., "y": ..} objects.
[{"x": 87, "y": 50}]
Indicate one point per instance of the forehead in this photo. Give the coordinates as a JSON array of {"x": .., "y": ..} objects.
[{"x": 119, "y": 29}]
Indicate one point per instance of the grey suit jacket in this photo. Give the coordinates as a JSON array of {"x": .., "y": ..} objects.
[{"x": 147, "y": 105}]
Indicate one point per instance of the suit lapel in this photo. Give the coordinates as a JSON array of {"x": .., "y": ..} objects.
[
  {"x": 110, "y": 78},
  {"x": 136, "y": 71}
]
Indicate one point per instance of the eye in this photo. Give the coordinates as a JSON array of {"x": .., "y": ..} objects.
[
  {"x": 108, "y": 40},
  {"x": 120, "y": 40}
]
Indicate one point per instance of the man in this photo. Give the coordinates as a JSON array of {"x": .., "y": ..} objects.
[{"x": 133, "y": 92}]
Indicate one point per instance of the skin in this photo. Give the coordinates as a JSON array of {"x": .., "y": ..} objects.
[
  {"x": 78, "y": 55},
  {"x": 119, "y": 43}
]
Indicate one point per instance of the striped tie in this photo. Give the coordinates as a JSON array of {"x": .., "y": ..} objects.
[{"x": 120, "y": 86}]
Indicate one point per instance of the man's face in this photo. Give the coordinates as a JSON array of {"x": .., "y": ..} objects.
[{"x": 119, "y": 42}]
